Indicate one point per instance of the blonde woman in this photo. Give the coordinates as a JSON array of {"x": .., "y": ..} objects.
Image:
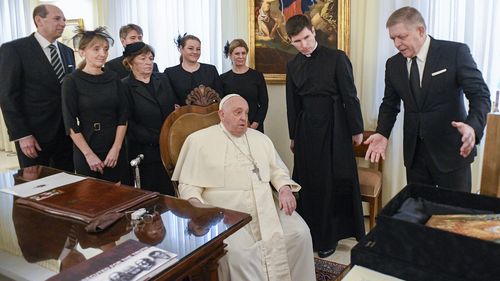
[{"x": 95, "y": 111}]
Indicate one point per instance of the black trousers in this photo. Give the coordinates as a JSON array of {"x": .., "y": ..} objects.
[
  {"x": 57, "y": 153},
  {"x": 424, "y": 171}
]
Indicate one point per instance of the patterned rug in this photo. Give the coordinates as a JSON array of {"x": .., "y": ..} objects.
[{"x": 329, "y": 270}]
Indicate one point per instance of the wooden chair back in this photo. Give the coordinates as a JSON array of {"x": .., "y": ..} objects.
[{"x": 200, "y": 112}]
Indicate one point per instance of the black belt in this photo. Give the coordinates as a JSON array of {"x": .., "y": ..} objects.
[{"x": 97, "y": 126}]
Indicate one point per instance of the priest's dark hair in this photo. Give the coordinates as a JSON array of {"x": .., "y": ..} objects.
[
  {"x": 83, "y": 38},
  {"x": 296, "y": 24}
]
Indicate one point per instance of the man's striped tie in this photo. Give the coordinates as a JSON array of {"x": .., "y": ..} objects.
[{"x": 56, "y": 63}]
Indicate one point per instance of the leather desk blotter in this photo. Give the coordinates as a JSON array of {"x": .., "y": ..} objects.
[{"x": 89, "y": 200}]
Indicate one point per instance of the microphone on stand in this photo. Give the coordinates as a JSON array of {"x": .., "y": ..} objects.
[{"x": 135, "y": 163}]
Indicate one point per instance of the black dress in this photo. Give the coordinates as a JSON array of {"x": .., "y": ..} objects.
[
  {"x": 251, "y": 86},
  {"x": 184, "y": 82},
  {"x": 323, "y": 115},
  {"x": 95, "y": 105},
  {"x": 149, "y": 106},
  {"x": 117, "y": 66}
]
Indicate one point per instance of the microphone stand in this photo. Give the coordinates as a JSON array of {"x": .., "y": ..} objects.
[{"x": 135, "y": 164}]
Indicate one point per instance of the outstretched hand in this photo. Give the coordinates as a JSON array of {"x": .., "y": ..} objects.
[
  {"x": 377, "y": 144},
  {"x": 468, "y": 137}
]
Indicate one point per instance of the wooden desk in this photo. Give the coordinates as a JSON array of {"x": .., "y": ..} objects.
[{"x": 48, "y": 239}]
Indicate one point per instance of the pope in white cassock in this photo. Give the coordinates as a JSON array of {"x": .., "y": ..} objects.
[{"x": 230, "y": 165}]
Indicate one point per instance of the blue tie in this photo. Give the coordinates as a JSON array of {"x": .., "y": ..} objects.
[{"x": 56, "y": 63}]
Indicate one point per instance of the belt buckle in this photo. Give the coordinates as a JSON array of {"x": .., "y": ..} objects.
[{"x": 96, "y": 126}]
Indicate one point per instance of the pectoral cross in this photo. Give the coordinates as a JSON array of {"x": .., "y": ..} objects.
[{"x": 256, "y": 171}]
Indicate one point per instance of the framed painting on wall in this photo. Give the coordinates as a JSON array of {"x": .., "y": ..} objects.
[
  {"x": 270, "y": 48},
  {"x": 72, "y": 25}
]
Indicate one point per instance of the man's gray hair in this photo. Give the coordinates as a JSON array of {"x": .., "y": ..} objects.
[{"x": 406, "y": 15}]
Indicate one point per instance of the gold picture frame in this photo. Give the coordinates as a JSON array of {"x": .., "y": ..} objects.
[
  {"x": 269, "y": 45},
  {"x": 67, "y": 36}
]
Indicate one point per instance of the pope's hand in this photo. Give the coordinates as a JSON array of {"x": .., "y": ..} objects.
[{"x": 287, "y": 200}]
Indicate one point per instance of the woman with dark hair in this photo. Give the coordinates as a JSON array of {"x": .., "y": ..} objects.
[
  {"x": 190, "y": 73},
  {"x": 94, "y": 109},
  {"x": 151, "y": 100},
  {"x": 246, "y": 82}
]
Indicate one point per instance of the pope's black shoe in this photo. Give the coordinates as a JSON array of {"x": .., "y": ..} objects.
[{"x": 326, "y": 253}]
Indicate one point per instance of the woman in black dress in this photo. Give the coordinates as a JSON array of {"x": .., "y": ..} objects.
[
  {"x": 190, "y": 73},
  {"x": 246, "y": 82},
  {"x": 94, "y": 109},
  {"x": 151, "y": 100}
]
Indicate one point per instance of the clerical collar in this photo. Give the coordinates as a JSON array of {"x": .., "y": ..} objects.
[{"x": 315, "y": 47}]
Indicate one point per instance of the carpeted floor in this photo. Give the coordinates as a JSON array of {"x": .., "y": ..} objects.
[{"x": 329, "y": 270}]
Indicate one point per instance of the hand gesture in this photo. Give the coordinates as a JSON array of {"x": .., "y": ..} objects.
[
  {"x": 376, "y": 149},
  {"x": 468, "y": 137},
  {"x": 287, "y": 200},
  {"x": 29, "y": 146}
]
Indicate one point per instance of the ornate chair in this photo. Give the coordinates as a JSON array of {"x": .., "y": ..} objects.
[
  {"x": 199, "y": 113},
  {"x": 370, "y": 180}
]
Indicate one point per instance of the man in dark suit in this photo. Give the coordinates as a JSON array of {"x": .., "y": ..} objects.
[
  {"x": 30, "y": 91},
  {"x": 129, "y": 34},
  {"x": 431, "y": 77}
]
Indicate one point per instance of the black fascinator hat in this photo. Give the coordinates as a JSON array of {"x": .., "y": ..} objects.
[
  {"x": 88, "y": 35},
  {"x": 178, "y": 40},
  {"x": 226, "y": 49}
]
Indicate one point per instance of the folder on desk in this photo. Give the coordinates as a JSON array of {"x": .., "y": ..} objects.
[{"x": 95, "y": 202}]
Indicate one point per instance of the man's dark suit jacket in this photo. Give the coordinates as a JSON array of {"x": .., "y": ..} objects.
[
  {"x": 449, "y": 73},
  {"x": 30, "y": 93},
  {"x": 117, "y": 66}
]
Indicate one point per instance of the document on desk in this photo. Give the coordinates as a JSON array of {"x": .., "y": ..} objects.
[{"x": 42, "y": 185}]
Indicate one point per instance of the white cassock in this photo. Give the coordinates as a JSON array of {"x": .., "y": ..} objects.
[{"x": 273, "y": 246}]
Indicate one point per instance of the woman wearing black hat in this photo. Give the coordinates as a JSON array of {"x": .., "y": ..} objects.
[
  {"x": 151, "y": 100},
  {"x": 95, "y": 113}
]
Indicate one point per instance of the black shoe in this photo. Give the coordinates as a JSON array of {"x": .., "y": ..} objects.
[{"x": 326, "y": 253}]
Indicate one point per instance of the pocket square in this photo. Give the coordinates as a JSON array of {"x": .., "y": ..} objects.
[{"x": 439, "y": 72}]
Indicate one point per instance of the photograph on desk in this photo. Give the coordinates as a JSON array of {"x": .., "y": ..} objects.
[
  {"x": 485, "y": 227},
  {"x": 131, "y": 261}
]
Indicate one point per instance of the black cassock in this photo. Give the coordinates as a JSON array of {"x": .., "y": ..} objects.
[
  {"x": 323, "y": 114},
  {"x": 183, "y": 82}
]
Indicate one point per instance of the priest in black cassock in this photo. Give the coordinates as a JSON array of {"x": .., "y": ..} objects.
[{"x": 324, "y": 121}]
